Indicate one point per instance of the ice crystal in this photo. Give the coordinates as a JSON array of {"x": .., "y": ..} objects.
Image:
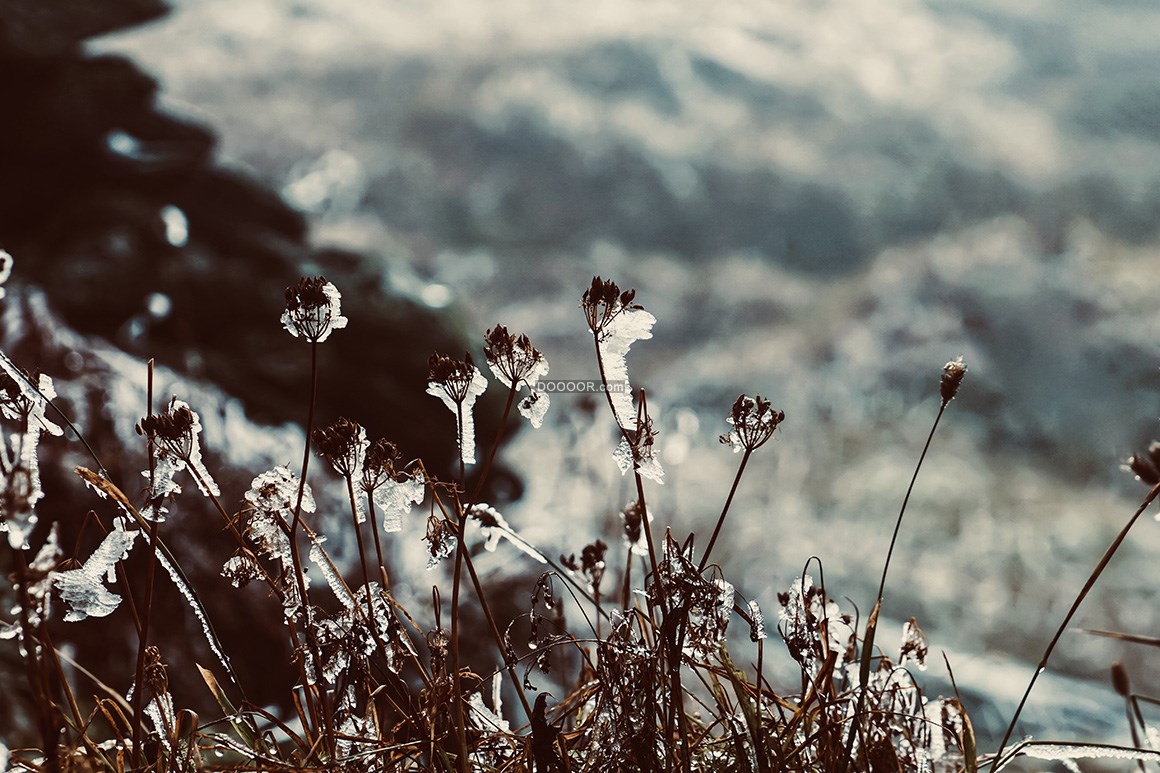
[
  {"x": 458, "y": 383},
  {"x": 644, "y": 460},
  {"x": 707, "y": 604},
  {"x": 313, "y": 310},
  {"x": 20, "y": 488},
  {"x": 5, "y": 273},
  {"x": 396, "y": 497},
  {"x": 616, "y": 323},
  {"x": 330, "y": 573},
  {"x": 82, "y": 589},
  {"x": 272, "y": 496},
  {"x": 38, "y": 585},
  {"x": 241, "y": 570},
  {"x": 494, "y": 527}
]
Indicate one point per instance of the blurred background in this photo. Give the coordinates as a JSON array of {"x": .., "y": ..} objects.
[{"x": 822, "y": 203}]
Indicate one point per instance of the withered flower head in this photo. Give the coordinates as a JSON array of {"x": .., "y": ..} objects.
[
  {"x": 156, "y": 678},
  {"x": 173, "y": 429},
  {"x": 603, "y": 300},
  {"x": 1146, "y": 467},
  {"x": 754, "y": 421},
  {"x": 952, "y": 377},
  {"x": 382, "y": 463},
  {"x": 313, "y": 309},
  {"x": 512, "y": 358},
  {"x": 451, "y": 376},
  {"x": 343, "y": 445},
  {"x": 591, "y": 563}
]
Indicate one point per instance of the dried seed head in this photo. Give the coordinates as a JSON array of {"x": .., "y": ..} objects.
[
  {"x": 512, "y": 358},
  {"x": 451, "y": 376},
  {"x": 1146, "y": 467},
  {"x": 1120, "y": 679},
  {"x": 602, "y": 301},
  {"x": 382, "y": 463},
  {"x": 952, "y": 377},
  {"x": 343, "y": 445},
  {"x": 754, "y": 421},
  {"x": 313, "y": 309},
  {"x": 156, "y": 679},
  {"x": 173, "y": 429}
]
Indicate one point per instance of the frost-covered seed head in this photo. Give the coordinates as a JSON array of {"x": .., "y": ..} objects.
[
  {"x": 513, "y": 358},
  {"x": 382, "y": 462},
  {"x": 452, "y": 376},
  {"x": 754, "y": 421},
  {"x": 172, "y": 429},
  {"x": 952, "y": 378},
  {"x": 602, "y": 301},
  {"x": 342, "y": 444},
  {"x": 313, "y": 309}
]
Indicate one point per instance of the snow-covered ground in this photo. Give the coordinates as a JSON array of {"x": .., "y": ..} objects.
[{"x": 821, "y": 203}]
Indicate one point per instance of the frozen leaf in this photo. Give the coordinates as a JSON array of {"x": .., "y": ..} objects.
[
  {"x": 458, "y": 383},
  {"x": 647, "y": 465},
  {"x": 395, "y": 498},
  {"x": 163, "y": 717},
  {"x": 198, "y": 611},
  {"x": 82, "y": 589},
  {"x": 33, "y": 398}
]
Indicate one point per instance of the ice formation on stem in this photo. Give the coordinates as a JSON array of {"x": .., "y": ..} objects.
[{"x": 458, "y": 383}]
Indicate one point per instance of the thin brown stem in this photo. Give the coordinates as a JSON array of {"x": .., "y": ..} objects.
[
  {"x": 725, "y": 510},
  {"x": 1105, "y": 559}
]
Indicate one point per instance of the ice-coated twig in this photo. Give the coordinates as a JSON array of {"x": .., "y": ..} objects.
[{"x": 494, "y": 527}]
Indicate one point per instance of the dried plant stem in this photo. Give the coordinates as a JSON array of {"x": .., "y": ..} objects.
[
  {"x": 872, "y": 622},
  {"x": 143, "y": 639},
  {"x": 725, "y": 510},
  {"x": 1105, "y": 559}
]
